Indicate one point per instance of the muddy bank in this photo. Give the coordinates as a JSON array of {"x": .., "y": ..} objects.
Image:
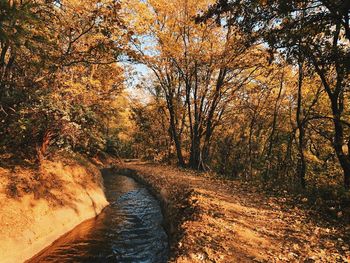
[
  {"x": 210, "y": 219},
  {"x": 39, "y": 205}
]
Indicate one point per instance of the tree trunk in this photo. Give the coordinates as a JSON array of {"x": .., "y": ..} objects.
[
  {"x": 210, "y": 126},
  {"x": 301, "y": 129},
  {"x": 344, "y": 159},
  {"x": 250, "y": 144},
  {"x": 174, "y": 133},
  {"x": 273, "y": 131},
  {"x": 195, "y": 158},
  {"x": 337, "y": 101}
]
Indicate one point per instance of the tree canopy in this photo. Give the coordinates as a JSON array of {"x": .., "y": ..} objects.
[{"x": 249, "y": 89}]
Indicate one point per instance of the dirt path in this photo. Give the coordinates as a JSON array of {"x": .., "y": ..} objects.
[{"x": 216, "y": 220}]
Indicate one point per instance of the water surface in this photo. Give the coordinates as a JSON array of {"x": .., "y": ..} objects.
[{"x": 128, "y": 230}]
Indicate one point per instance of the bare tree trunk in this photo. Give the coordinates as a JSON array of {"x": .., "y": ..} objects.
[
  {"x": 174, "y": 133},
  {"x": 344, "y": 159},
  {"x": 250, "y": 144},
  {"x": 301, "y": 129},
  {"x": 210, "y": 123},
  {"x": 273, "y": 131}
]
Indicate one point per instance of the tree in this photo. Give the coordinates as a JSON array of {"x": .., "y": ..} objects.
[
  {"x": 53, "y": 62},
  {"x": 198, "y": 67},
  {"x": 318, "y": 30}
]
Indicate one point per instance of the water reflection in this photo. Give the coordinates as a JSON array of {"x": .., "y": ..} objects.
[{"x": 129, "y": 230}]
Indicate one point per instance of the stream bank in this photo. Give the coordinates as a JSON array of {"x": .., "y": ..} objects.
[{"x": 39, "y": 205}]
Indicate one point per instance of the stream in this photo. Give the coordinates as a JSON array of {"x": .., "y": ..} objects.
[{"x": 128, "y": 230}]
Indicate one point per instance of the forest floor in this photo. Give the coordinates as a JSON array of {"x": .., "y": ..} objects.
[{"x": 211, "y": 219}]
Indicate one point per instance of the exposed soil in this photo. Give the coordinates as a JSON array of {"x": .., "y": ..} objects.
[
  {"x": 216, "y": 220},
  {"x": 39, "y": 204}
]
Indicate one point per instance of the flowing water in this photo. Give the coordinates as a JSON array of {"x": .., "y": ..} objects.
[{"x": 128, "y": 230}]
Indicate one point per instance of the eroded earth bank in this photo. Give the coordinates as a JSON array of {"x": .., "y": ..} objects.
[{"x": 38, "y": 205}]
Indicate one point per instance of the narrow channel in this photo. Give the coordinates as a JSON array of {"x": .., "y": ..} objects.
[{"x": 128, "y": 230}]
